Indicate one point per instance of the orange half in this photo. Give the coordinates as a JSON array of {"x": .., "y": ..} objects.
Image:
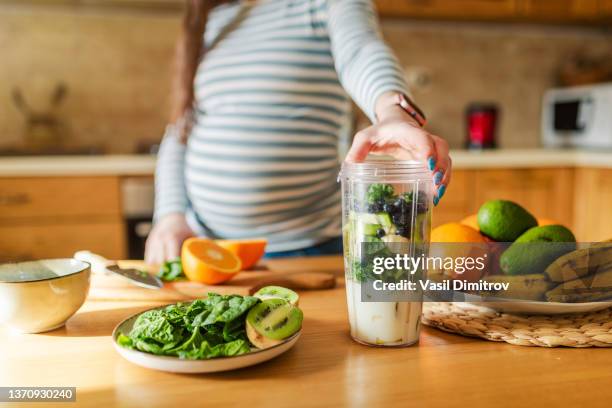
[
  {"x": 206, "y": 262},
  {"x": 249, "y": 251}
]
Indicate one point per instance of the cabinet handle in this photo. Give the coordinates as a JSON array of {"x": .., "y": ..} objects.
[{"x": 15, "y": 199}]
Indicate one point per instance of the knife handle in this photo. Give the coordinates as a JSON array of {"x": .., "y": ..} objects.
[{"x": 98, "y": 262}]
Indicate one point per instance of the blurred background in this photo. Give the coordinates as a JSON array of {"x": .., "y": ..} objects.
[{"x": 84, "y": 91}]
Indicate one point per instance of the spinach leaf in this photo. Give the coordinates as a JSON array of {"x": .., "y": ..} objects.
[
  {"x": 205, "y": 328},
  {"x": 171, "y": 270}
]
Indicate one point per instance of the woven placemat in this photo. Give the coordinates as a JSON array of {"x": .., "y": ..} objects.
[{"x": 571, "y": 330}]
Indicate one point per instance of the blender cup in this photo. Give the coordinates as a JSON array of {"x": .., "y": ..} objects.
[{"x": 386, "y": 208}]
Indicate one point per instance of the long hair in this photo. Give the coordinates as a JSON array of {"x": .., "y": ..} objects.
[{"x": 189, "y": 51}]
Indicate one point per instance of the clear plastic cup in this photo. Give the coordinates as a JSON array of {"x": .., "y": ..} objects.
[{"x": 388, "y": 204}]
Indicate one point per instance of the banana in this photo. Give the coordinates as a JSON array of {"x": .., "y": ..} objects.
[
  {"x": 586, "y": 289},
  {"x": 581, "y": 262},
  {"x": 522, "y": 287}
]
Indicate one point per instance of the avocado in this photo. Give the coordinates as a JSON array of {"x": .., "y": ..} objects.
[
  {"x": 537, "y": 248},
  {"x": 504, "y": 221}
]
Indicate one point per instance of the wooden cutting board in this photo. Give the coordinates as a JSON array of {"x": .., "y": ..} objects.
[{"x": 112, "y": 287}]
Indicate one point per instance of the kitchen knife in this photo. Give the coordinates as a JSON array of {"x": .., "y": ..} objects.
[{"x": 99, "y": 264}]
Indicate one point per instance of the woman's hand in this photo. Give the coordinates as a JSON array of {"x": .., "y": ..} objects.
[
  {"x": 397, "y": 134},
  {"x": 166, "y": 237}
]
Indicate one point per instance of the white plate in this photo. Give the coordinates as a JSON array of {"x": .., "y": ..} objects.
[
  {"x": 535, "y": 307},
  {"x": 177, "y": 365}
]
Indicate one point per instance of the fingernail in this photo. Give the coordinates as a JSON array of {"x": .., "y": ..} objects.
[
  {"x": 437, "y": 178},
  {"x": 431, "y": 162},
  {"x": 441, "y": 191},
  {"x": 436, "y": 200}
]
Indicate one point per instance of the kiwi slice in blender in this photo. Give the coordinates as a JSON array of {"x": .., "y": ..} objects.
[
  {"x": 278, "y": 292},
  {"x": 270, "y": 322}
]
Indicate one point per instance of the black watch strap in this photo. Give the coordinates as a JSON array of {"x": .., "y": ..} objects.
[{"x": 412, "y": 109}]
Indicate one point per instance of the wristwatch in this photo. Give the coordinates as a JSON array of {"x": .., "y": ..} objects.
[{"x": 412, "y": 109}]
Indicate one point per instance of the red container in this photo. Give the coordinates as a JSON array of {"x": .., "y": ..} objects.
[{"x": 481, "y": 126}]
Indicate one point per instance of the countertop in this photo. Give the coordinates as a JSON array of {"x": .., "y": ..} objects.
[
  {"x": 129, "y": 165},
  {"x": 325, "y": 368}
]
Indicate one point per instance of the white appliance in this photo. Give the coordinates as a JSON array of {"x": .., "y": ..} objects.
[{"x": 578, "y": 116}]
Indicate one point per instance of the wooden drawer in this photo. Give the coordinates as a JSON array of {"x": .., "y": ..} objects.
[
  {"x": 546, "y": 193},
  {"x": 559, "y": 9},
  {"x": 25, "y": 197},
  {"x": 25, "y": 242},
  {"x": 605, "y": 7},
  {"x": 593, "y": 203},
  {"x": 448, "y": 9},
  {"x": 457, "y": 202}
]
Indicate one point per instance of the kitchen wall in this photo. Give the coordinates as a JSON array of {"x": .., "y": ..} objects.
[
  {"x": 116, "y": 65},
  {"x": 511, "y": 65},
  {"x": 115, "y": 62}
]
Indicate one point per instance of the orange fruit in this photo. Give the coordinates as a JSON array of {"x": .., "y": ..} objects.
[
  {"x": 546, "y": 221},
  {"x": 206, "y": 262},
  {"x": 248, "y": 250},
  {"x": 471, "y": 221},
  {"x": 456, "y": 232}
]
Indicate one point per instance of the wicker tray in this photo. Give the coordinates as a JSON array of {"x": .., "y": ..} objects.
[{"x": 576, "y": 330}]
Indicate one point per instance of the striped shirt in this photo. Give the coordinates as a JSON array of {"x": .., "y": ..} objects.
[{"x": 271, "y": 99}]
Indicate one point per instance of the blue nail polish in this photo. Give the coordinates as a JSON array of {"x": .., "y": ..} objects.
[
  {"x": 431, "y": 162},
  {"x": 437, "y": 178},
  {"x": 441, "y": 191},
  {"x": 436, "y": 200}
]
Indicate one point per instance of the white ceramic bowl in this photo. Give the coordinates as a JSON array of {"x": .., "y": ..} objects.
[{"x": 39, "y": 296}]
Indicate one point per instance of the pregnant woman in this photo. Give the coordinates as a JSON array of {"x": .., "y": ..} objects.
[{"x": 261, "y": 99}]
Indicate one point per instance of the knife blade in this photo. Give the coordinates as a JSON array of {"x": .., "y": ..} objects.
[{"x": 99, "y": 264}]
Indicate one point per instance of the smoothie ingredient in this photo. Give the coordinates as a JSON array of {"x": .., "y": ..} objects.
[
  {"x": 205, "y": 328},
  {"x": 272, "y": 321},
  {"x": 503, "y": 220},
  {"x": 594, "y": 289},
  {"x": 278, "y": 292},
  {"x": 582, "y": 262},
  {"x": 455, "y": 232},
  {"x": 250, "y": 251},
  {"x": 171, "y": 270},
  {"x": 532, "y": 252},
  {"x": 206, "y": 262},
  {"x": 378, "y": 194}
]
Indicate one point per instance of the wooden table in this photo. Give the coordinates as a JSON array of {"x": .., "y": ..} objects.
[{"x": 326, "y": 368}]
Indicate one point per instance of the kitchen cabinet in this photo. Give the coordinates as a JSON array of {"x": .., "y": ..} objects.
[
  {"x": 42, "y": 239},
  {"x": 448, "y": 9},
  {"x": 557, "y": 11},
  {"x": 605, "y": 8},
  {"x": 42, "y": 217},
  {"x": 579, "y": 198},
  {"x": 458, "y": 201},
  {"x": 33, "y": 197},
  {"x": 593, "y": 204}
]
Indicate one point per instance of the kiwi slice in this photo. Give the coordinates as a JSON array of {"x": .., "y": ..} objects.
[
  {"x": 271, "y": 321},
  {"x": 278, "y": 292}
]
